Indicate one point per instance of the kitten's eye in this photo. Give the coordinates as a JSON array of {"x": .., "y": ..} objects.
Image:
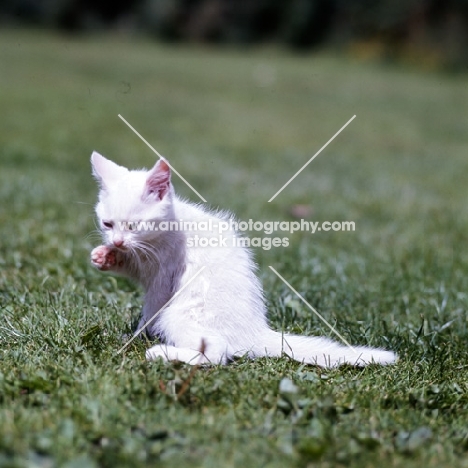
[{"x": 108, "y": 224}]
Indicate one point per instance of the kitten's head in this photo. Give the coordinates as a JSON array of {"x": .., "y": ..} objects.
[{"x": 129, "y": 198}]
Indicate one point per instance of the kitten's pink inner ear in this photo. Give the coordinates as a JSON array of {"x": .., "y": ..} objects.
[{"x": 159, "y": 180}]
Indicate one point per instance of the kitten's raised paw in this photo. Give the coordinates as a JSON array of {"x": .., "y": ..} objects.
[{"x": 103, "y": 257}]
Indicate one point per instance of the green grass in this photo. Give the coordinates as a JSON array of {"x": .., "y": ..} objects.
[{"x": 237, "y": 125}]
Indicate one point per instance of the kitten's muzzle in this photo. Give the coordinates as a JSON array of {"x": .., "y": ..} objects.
[{"x": 119, "y": 243}]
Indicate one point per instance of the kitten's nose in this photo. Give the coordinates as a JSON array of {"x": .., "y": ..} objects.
[{"x": 118, "y": 242}]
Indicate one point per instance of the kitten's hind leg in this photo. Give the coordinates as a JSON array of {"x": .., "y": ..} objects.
[{"x": 188, "y": 355}]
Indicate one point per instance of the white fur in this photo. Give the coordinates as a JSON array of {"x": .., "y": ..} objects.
[{"x": 220, "y": 314}]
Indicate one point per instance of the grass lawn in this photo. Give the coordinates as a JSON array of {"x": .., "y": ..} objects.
[{"x": 237, "y": 125}]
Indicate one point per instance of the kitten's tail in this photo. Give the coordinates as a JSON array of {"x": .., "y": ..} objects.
[{"x": 319, "y": 351}]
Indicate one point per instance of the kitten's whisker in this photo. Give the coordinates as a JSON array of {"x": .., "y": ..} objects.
[
  {"x": 148, "y": 250},
  {"x": 96, "y": 233},
  {"x": 84, "y": 203},
  {"x": 151, "y": 252},
  {"x": 137, "y": 253}
]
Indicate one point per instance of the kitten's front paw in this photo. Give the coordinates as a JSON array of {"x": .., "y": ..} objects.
[{"x": 104, "y": 258}]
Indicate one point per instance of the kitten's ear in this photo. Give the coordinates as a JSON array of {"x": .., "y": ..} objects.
[
  {"x": 104, "y": 170},
  {"x": 159, "y": 180}
]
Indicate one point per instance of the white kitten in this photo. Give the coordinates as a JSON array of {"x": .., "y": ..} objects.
[{"x": 218, "y": 314}]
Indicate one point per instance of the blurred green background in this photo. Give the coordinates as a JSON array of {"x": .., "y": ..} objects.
[
  {"x": 237, "y": 117},
  {"x": 429, "y": 32}
]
